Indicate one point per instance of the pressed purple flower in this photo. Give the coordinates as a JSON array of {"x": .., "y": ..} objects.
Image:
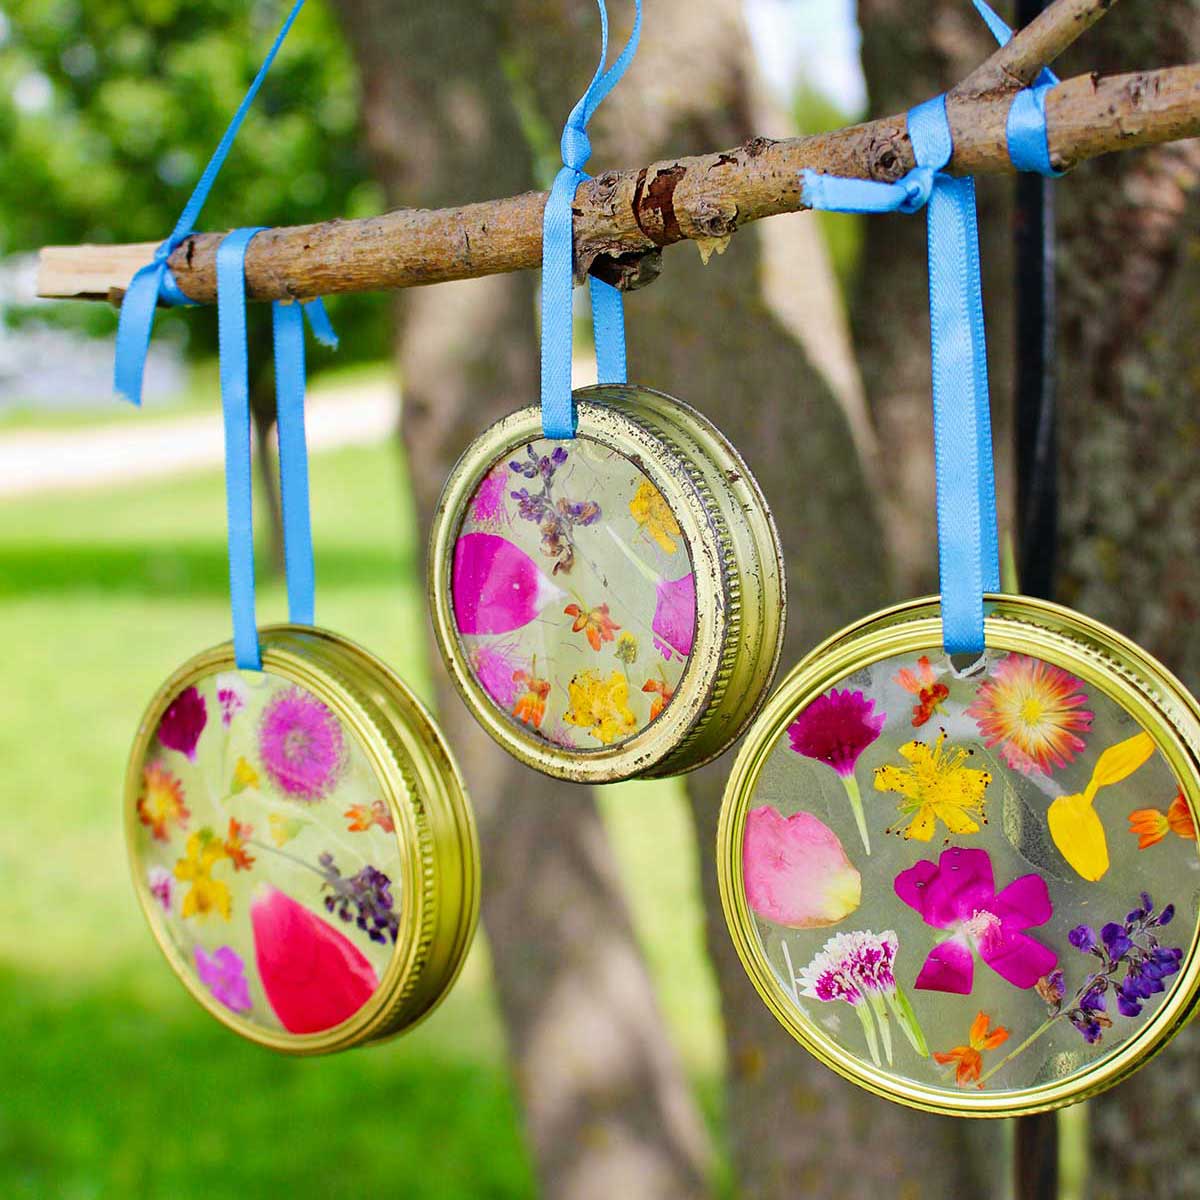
[
  {"x": 1082, "y": 937},
  {"x": 365, "y": 899},
  {"x": 162, "y": 886},
  {"x": 1116, "y": 939},
  {"x": 224, "y": 974},
  {"x": 301, "y": 745},
  {"x": 1088, "y": 1026},
  {"x": 1052, "y": 988},
  {"x": 1167, "y": 915},
  {"x": 183, "y": 723},
  {"x": 836, "y": 728},
  {"x": 1094, "y": 999},
  {"x": 231, "y": 696}
]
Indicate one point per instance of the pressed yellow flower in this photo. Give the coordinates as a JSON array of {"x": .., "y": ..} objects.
[
  {"x": 1074, "y": 824},
  {"x": 654, "y": 515},
  {"x": 627, "y": 648},
  {"x": 936, "y": 787},
  {"x": 244, "y": 776},
  {"x": 161, "y": 802},
  {"x": 600, "y": 706},
  {"x": 206, "y": 895},
  {"x": 283, "y": 829}
]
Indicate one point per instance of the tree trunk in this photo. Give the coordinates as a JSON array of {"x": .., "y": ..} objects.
[
  {"x": 608, "y": 1112},
  {"x": 1129, "y": 278}
]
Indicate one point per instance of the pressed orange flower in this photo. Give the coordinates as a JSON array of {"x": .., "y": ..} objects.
[
  {"x": 206, "y": 895},
  {"x": 595, "y": 622},
  {"x": 362, "y": 817},
  {"x": 601, "y": 706},
  {"x": 530, "y": 707},
  {"x": 235, "y": 845},
  {"x": 936, "y": 787},
  {"x": 923, "y": 684},
  {"x": 969, "y": 1058},
  {"x": 654, "y": 515},
  {"x": 161, "y": 802},
  {"x": 1152, "y": 824},
  {"x": 664, "y": 695},
  {"x": 1034, "y": 712}
]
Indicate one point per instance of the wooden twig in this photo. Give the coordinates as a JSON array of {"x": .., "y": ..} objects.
[{"x": 623, "y": 218}]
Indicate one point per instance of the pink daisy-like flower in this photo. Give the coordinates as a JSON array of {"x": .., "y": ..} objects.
[
  {"x": 494, "y": 666},
  {"x": 183, "y": 723},
  {"x": 301, "y": 745},
  {"x": 958, "y": 893},
  {"x": 836, "y": 728}
]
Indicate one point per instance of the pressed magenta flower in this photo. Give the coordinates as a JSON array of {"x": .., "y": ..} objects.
[
  {"x": 224, "y": 974},
  {"x": 301, "y": 745},
  {"x": 162, "y": 887},
  {"x": 674, "y": 622},
  {"x": 231, "y": 696},
  {"x": 489, "y": 504},
  {"x": 1034, "y": 712},
  {"x": 958, "y": 893},
  {"x": 795, "y": 870},
  {"x": 835, "y": 729},
  {"x": 495, "y": 666},
  {"x": 183, "y": 723},
  {"x": 496, "y": 586}
]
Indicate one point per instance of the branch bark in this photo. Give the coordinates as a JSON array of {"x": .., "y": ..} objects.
[{"x": 624, "y": 218}]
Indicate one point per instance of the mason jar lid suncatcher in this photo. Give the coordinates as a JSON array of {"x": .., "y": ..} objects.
[
  {"x": 606, "y": 582},
  {"x": 299, "y": 835},
  {"x": 957, "y": 853}
]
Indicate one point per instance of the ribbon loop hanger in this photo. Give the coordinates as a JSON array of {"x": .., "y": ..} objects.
[
  {"x": 558, "y": 283},
  {"x": 968, "y": 541}
]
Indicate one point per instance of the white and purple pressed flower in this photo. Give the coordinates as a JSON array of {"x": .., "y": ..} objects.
[{"x": 858, "y": 968}]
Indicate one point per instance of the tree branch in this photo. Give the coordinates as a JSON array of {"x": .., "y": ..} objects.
[{"x": 623, "y": 218}]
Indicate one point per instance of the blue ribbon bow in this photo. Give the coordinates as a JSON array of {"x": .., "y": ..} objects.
[
  {"x": 608, "y": 317},
  {"x": 968, "y": 543}
]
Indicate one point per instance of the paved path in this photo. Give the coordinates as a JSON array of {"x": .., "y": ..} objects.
[{"x": 85, "y": 458}]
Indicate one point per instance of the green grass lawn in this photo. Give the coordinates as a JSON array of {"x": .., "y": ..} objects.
[{"x": 114, "y": 1082}]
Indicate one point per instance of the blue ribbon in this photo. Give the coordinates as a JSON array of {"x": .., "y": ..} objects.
[
  {"x": 968, "y": 543},
  {"x": 608, "y": 318},
  {"x": 288, "y": 332},
  {"x": 154, "y": 282}
]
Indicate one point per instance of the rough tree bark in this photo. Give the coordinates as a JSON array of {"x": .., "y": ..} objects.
[
  {"x": 607, "y": 1109},
  {"x": 1129, "y": 304}
]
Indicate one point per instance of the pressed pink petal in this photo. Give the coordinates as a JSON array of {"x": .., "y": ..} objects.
[
  {"x": 675, "y": 616},
  {"x": 963, "y": 885},
  {"x": 496, "y": 586},
  {"x": 314, "y": 977},
  {"x": 795, "y": 870},
  {"x": 1016, "y": 956},
  {"x": 1024, "y": 903},
  {"x": 948, "y": 968},
  {"x": 910, "y": 885}
]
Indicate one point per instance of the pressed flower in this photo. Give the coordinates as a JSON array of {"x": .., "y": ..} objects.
[
  {"x": 601, "y": 706},
  {"x": 284, "y": 828},
  {"x": 663, "y": 695},
  {"x": 530, "y": 706},
  {"x": 313, "y": 975},
  {"x": 495, "y": 666},
  {"x": 244, "y": 776},
  {"x": 206, "y": 894},
  {"x": 835, "y": 729},
  {"x": 958, "y": 894},
  {"x": 1152, "y": 824},
  {"x": 161, "y": 803},
  {"x": 224, "y": 974},
  {"x": 795, "y": 871},
  {"x": 936, "y": 787},
  {"x": 231, "y": 696},
  {"x": 183, "y": 723},
  {"x": 674, "y": 621},
  {"x": 594, "y": 623},
  {"x": 364, "y": 898},
  {"x": 1074, "y": 824},
  {"x": 496, "y": 586},
  {"x": 489, "y": 504},
  {"x": 235, "y": 845},
  {"x": 301, "y": 745},
  {"x": 162, "y": 887},
  {"x": 859, "y": 969},
  {"x": 361, "y": 817},
  {"x": 627, "y": 648},
  {"x": 1033, "y": 712},
  {"x": 557, "y": 518},
  {"x": 654, "y": 515},
  {"x": 923, "y": 684},
  {"x": 968, "y": 1059}
]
